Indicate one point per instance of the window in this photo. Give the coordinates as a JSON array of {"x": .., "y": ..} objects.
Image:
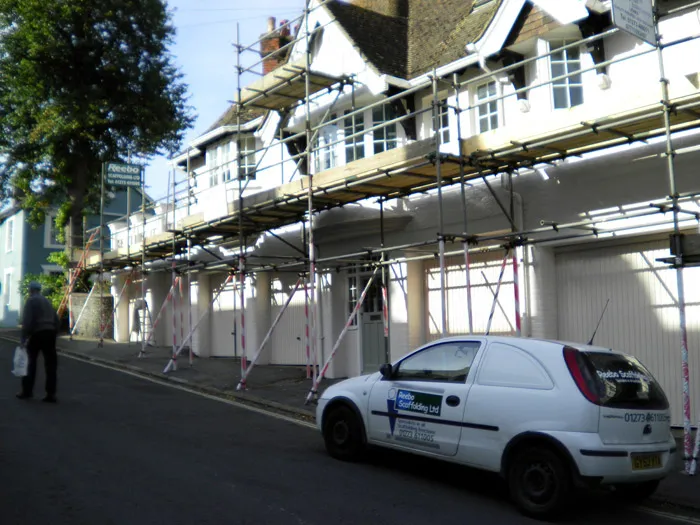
[
  {"x": 567, "y": 92},
  {"x": 214, "y": 167},
  {"x": 226, "y": 161},
  {"x": 355, "y": 146},
  {"x": 357, "y": 280},
  {"x": 487, "y": 109},
  {"x": 247, "y": 163},
  {"x": 9, "y": 235},
  {"x": 8, "y": 288},
  {"x": 443, "y": 118},
  {"x": 385, "y": 138},
  {"x": 51, "y": 233},
  {"x": 510, "y": 367},
  {"x": 325, "y": 157},
  {"x": 446, "y": 362}
]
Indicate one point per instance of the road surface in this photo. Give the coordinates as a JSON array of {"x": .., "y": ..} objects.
[{"x": 125, "y": 451}]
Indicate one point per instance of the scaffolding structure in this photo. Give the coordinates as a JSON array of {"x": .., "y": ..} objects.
[{"x": 418, "y": 167}]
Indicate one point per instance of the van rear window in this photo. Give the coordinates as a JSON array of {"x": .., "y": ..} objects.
[{"x": 625, "y": 383}]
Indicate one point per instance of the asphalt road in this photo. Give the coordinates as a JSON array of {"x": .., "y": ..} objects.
[{"x": 124, "y": 451}]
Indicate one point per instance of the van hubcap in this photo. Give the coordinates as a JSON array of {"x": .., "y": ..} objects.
[
  {"x": 341, "y": 432},
  {"x": 538, "y": 482}
]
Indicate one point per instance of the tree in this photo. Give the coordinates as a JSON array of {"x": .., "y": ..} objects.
[{"x": 83, "y": 82}]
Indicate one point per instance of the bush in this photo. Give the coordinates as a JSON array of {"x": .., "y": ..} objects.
[{"x": 52, "y": 286}]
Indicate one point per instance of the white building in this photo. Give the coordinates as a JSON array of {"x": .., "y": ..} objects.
[{"x": 602, "y": 178}]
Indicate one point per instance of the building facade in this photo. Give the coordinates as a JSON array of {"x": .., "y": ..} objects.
[{"x": 552, "y": 118}]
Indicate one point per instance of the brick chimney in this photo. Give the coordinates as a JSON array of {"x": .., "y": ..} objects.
[{"x": 270, "y": 44}]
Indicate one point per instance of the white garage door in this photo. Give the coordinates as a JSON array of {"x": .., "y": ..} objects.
[
  {"x": 223, "y": 322},
  {"x": 485, "y": 269},
  {"x": 642, "y": 317},
  {"x": 288, "y": 339}
]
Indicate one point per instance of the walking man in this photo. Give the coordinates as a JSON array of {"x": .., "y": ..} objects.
[{"x": 39, "y": 329}]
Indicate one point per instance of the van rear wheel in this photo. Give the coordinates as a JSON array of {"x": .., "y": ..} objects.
[
  {"x": 539, "y": 482},
  {"x": 637, "y": 491}
]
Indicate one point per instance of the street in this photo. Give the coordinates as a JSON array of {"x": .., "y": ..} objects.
[{"x": 121, "y": 450}]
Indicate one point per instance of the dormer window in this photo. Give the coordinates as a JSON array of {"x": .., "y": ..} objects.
[
  {"x": 567, "y": 92},
  {"x": 247, "y": 161}
]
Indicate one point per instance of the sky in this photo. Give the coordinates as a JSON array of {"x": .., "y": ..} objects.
[{"x": 203, "y": 51}]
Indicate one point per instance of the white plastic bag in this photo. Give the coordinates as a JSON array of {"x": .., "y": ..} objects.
[{"x": 20, "y": 362}]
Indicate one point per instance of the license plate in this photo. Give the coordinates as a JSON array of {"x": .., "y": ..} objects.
[{"x": 646, "y": 461}]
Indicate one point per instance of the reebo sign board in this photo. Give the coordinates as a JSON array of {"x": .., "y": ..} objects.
[
  {"x": 635, "y": 17},
  {"x": 118, "y": 174}
]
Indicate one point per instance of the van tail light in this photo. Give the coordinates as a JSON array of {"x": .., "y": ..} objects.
[{"x": 583, "y": 375}]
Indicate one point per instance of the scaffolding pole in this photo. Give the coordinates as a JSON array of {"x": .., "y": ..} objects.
[
  {"x": 80, "y": 315},
  {"x": 314, "y": 389},
  {"x": 679, "y": 263},
  {"x": 174, "y": 279},
  {"x": 441, "y": 223},
  {"x": 241, "y": 237},
  {"x": 498, "y": 289},
  {"x": 143, "y": 266}
]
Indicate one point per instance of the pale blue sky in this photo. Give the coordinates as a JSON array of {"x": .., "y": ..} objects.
[{"x": 203, "y": 51}]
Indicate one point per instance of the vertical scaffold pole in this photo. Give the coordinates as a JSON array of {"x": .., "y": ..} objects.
[
  {"x": 241, "y": 239},
  {"x": 143, "y": 264},
  {"x": 102, "y": 255},
  {"x": 313, "y": 298},
  {"x": 441, "y": 224},
  {"x": 385, "y": 284},
  {"x": 679, "y": 262},
  {"x": 174, "y": 281},
  {"x": 467, "y": 259}
]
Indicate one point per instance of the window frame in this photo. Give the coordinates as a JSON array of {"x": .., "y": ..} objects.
[
  {"x": 7, "y": 287},
  {"x": 352, "y": 125},
  {"x": 325, "y": 155},
  {"x": 246, "y": 168},
  {"x": 380, "y": 142},
  {"x": 487, "y": 102},
  {"x": 443, "y": 118},
  {"x": 472, "y": 365},
  {"x": 565, "y": 84},
  {"x": 10, "y": 235},
  {"x": 49, "y": 227}
]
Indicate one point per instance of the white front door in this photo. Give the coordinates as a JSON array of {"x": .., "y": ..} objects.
[{"x": 422, "y": 406}]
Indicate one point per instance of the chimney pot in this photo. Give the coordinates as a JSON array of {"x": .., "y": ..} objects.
[{"x": 271, "y": 24}]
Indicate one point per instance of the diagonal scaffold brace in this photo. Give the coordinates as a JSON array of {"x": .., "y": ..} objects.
[
  {"x": 242, "y": 382},
  {"x": 187, "y": 339},
  {"x": 498, "y": 289},
  {"x": 314, "y": 389}
]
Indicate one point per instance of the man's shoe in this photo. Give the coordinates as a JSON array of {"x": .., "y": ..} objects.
[
  {"x": 22, "y": 395},
  {"x": 50, "y": 399}
]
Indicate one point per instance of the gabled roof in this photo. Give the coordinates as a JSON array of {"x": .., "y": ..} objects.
[
  {"x": 417, "y": 36},
  {"x": 229, "y": 118}
]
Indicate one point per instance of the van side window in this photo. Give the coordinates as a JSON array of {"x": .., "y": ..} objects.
[
  {"x": 509, "y": 366},
  {"x": 446, "y": 362}
]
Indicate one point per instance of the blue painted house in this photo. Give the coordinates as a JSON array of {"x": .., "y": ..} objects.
[{"x": 24, "y": 249}]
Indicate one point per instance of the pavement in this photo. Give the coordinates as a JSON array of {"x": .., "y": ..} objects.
[
  {"x": 278, "y": 389},
  {"x": 120, "y": 450}
]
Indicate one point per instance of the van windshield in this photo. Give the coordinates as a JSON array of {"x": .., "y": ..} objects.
[{"x": 624, "y": 382}]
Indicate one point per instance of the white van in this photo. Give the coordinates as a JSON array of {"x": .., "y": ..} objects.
[{"x": 548, "y": 416}]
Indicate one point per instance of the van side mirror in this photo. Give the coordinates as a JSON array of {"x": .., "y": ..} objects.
[{"x": 387, "y": 371}]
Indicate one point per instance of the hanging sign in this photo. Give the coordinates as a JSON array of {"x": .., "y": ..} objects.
[
  {"x": 636, "y": 17},
  {"x": 118, "y": 174}
]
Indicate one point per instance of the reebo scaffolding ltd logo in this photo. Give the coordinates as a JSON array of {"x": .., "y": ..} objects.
[
  {"x": 420, "y": 402},
  {"x": 118, "y": 174}
]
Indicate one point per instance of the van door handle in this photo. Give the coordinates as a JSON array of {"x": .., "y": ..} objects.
[{"x": 452, "y": 401}]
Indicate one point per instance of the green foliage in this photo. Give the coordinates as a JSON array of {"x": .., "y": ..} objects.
[
  {"x": 60, "y": 259},
  {"x": 83, "y": 81},
  {"x": 52, "y": 286}
]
